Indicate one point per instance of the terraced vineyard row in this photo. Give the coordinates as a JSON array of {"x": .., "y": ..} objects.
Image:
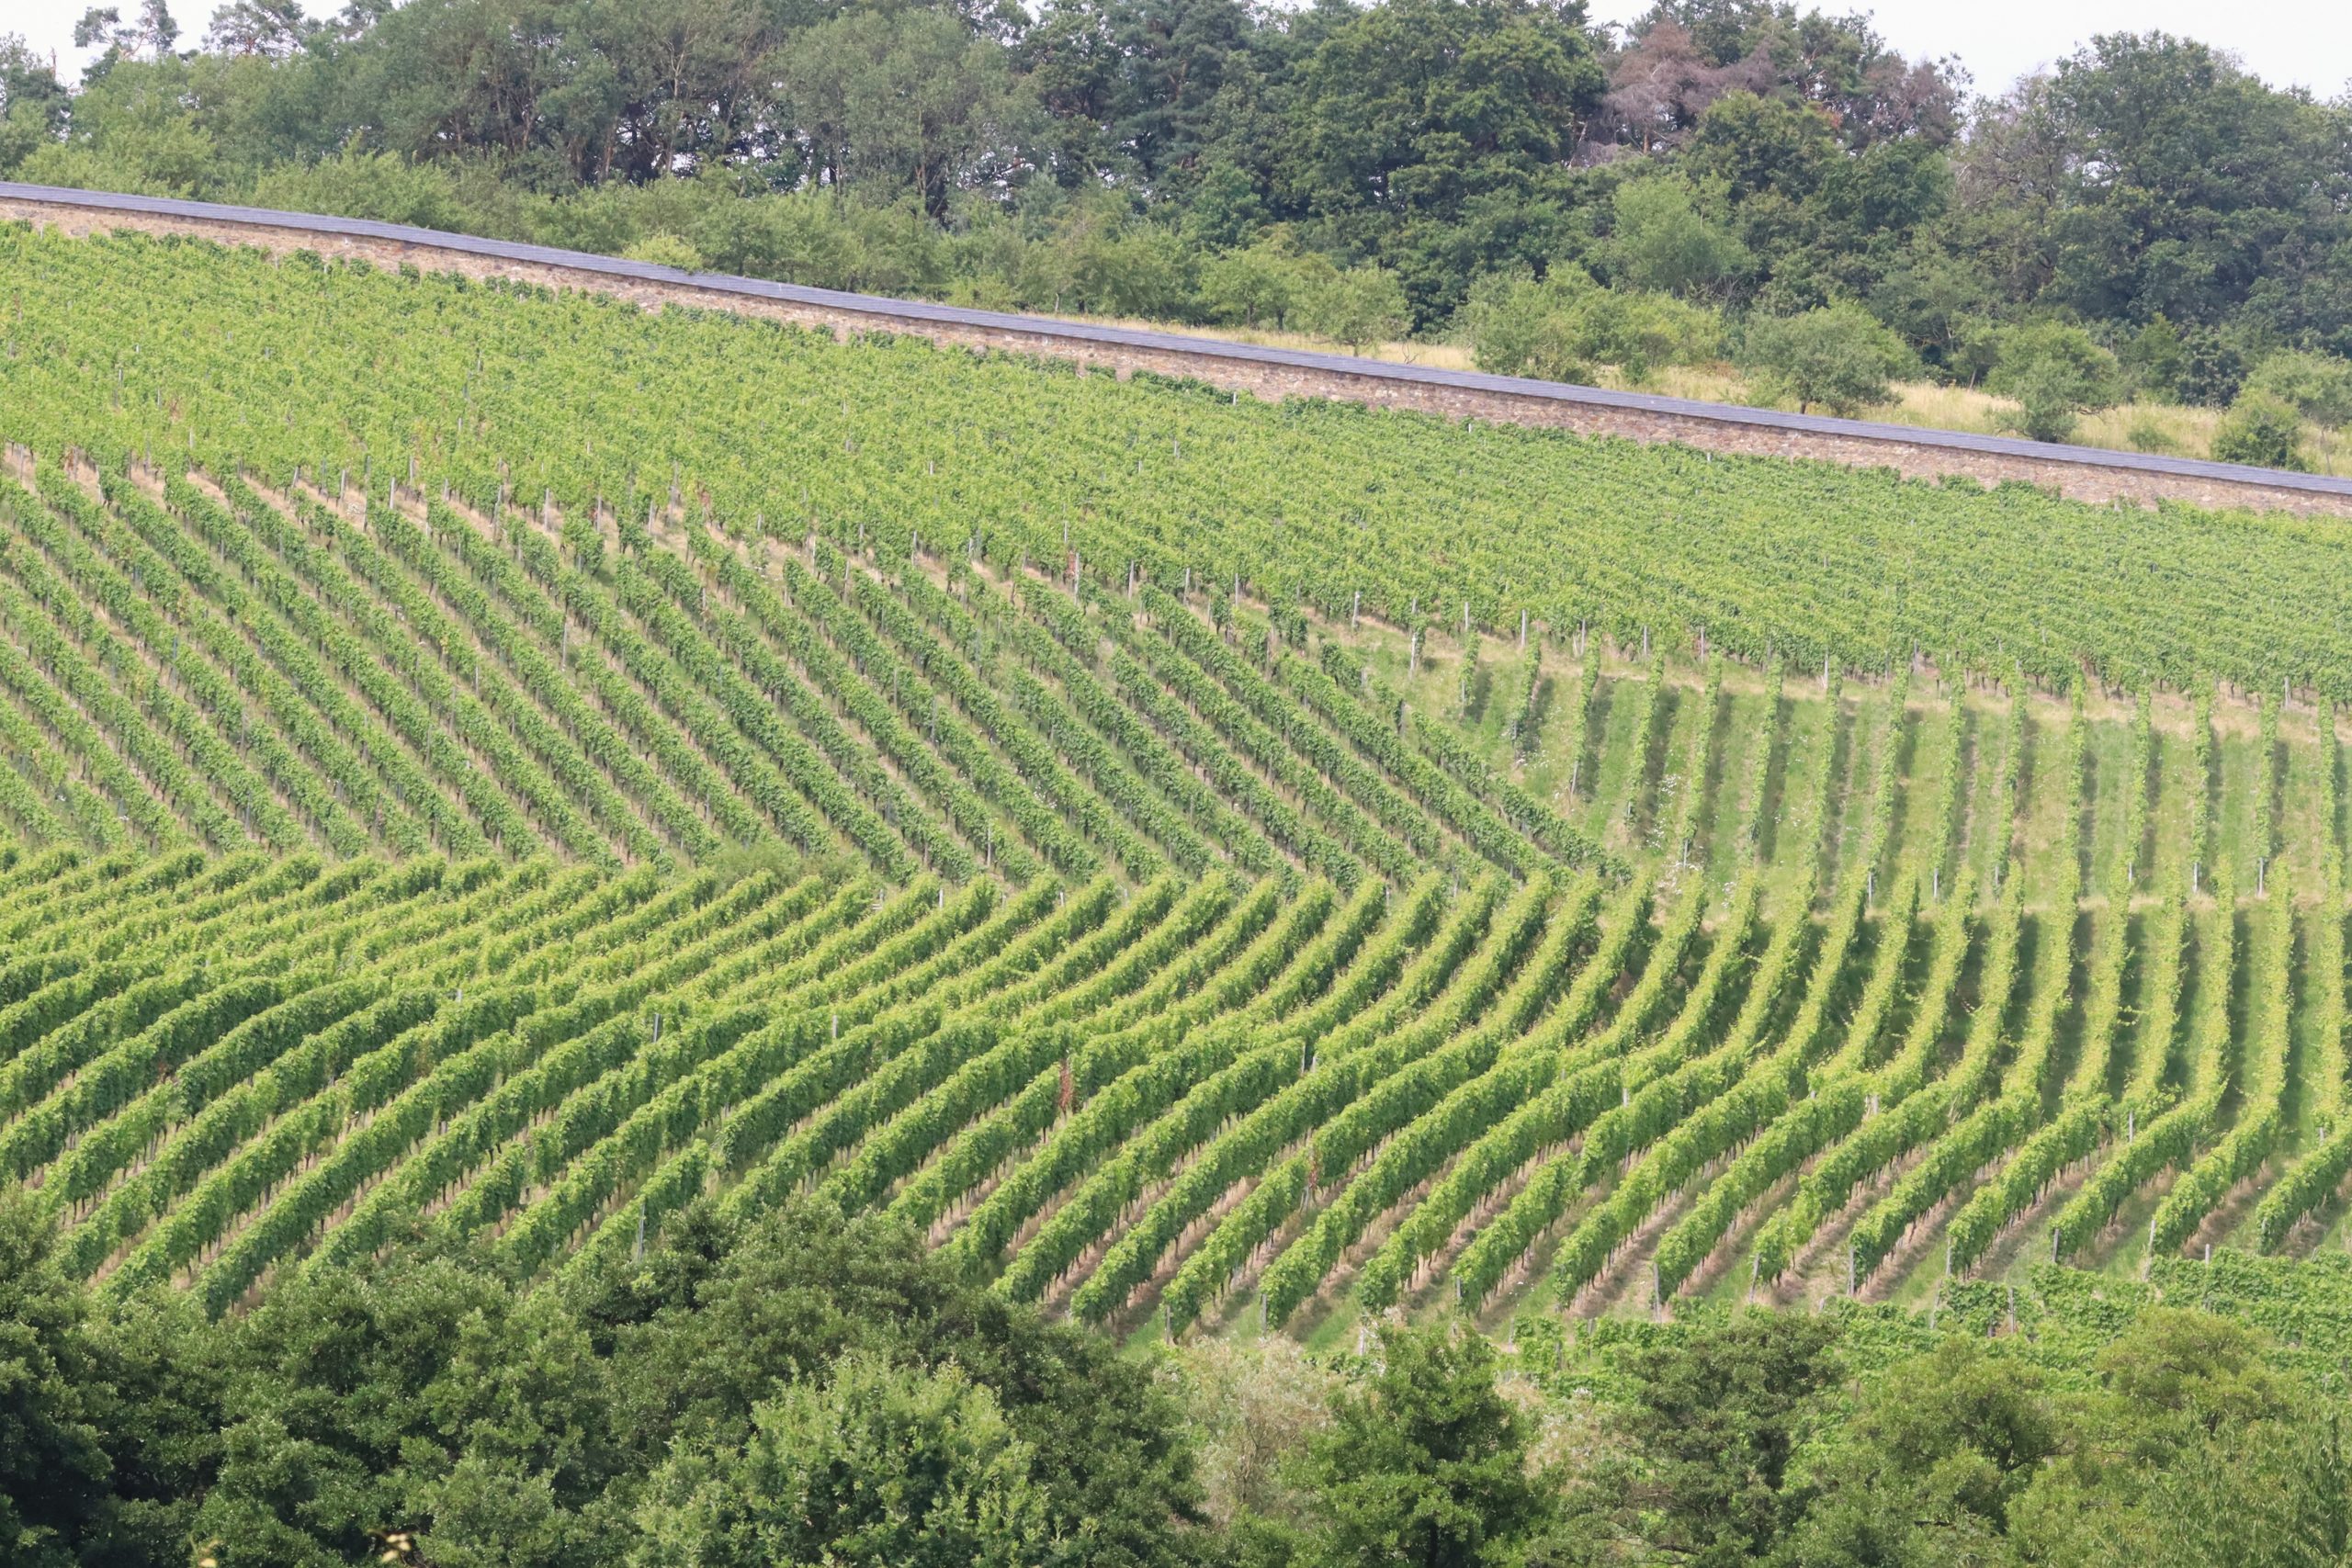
[
  {"x": 192, "y": 660},
  {"x": 135, "y": 345},
  {"x": 1859, "y": 1060},
  {"x": 392, "y": 846}
]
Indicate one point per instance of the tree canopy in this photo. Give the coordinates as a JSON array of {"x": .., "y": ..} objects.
[{"x": 1116, "y": 155}]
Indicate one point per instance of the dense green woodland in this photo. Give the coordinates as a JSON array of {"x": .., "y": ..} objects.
[
  {"x": 806, "y": 1391},
  {"x": 654, "y": 937},
  {"x": 2145, "y": 220}
]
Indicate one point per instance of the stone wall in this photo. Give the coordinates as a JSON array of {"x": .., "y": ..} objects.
[{"x": 2085, "y": 478}]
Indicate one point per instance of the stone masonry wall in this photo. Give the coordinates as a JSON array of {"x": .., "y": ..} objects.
[{"x": 2081, "y": 480}]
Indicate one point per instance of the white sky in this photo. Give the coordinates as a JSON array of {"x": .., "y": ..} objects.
[
  {"x": 2286, "y": 42},
  {"x": 2308, "y": 42}
]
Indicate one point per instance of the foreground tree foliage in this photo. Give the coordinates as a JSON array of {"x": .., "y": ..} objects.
[
  {"x": 874, "y": 1464},
  {"x": 661, "y": 1412},
  {"x": 814, "y": 1389},
  {"x": 1748, "y": 1442},
  {"x": 1425, "y": 1461},
  {"x": 55, "y": 1477}
]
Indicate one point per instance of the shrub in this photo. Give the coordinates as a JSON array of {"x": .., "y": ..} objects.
[
  {"x": 1362, "y": 305},
  {"x": 1561, "y": 328},
  {"x": 665, "y": 250},
  {"x": 2316, "y": 385},
  {"x": 1839, "y": 355},
  {"x": 2057, "y": 372},
  {"x": 1256, "y": 286},
  {"x": 878, "y": 1464},
  {"x": 2260, "y": 430},
  {"x": 2147, "y": 433}
]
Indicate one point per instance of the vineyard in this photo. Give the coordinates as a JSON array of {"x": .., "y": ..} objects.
[{"x": 511, "y": 766}]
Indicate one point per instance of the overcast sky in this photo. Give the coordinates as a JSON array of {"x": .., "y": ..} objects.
[{"x": 2302, "y": 41}]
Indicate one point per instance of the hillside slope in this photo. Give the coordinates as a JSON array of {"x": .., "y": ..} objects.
[{"x": 514, "y": 765}]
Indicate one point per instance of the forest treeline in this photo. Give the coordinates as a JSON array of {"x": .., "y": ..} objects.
[
  {"x": 1724, "y": 178},
  {"x": 813, "y": 1389}
]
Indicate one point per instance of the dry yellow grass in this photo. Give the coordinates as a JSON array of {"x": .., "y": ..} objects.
[
  {"x": 1436, "y": 355},
  {"x": 2164, "y": 428}
]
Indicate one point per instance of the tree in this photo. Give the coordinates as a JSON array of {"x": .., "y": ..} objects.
[
  {"x": 1934, "y": 1461},
  {"x": 2272, "y": 1494},
  {"x": 2175, "y": 1368},
  {"x": 1940, "y": 305},
  {"x": 1425, "y": 1461},
  {"x": 1686, "y": 54},
  {"x": 1839, "y": 355},
  {"x": 895, "y": 100},
  {"x": 709, "y": 1325},
  {"x": 1361, "y": 306},
  {"x": 1256, "y": 286},
  {"x": 132, "y": 129},
  {"x": 1660, "y": 239},
  {"x": 1256, "y": 1407},
  {"x": 1110, "y": 263},
  {"x": 1756, "y": 146},
  {"x": 1414, "y": 115},
  {"x": 1133, "y": 88},
  {"x": 1517, "y": 326},
  {"x": 32, "y": 101},
  {"x": 1561, "y": 328},
  {"x": 55, "y": 1478},
  {"x": 2151, "y": 175},
  {"x": 2057, "y": 372},
  {"x": 273, "y": 28},
  {"x": 875, "y": 1465},
  {"x": 151, "y": 32},
  {"x": 2191, "y": 1448},
  {"x": 2156, "y": 360},
  {"x": 1717, "y": 1420}
]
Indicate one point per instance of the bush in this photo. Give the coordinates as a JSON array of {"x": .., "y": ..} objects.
[
  {"x": 2263, "y": 431},
  {"x": 2156, "y": 361},
  {"x": 2057, "y": 372},
  {"x": 2212, "y": 365},
  {"x": 381, "y": 185},
  {"x": 878, "y": 1464},
  {"x": 1841, "y": 356},
  {"x": 665, "y": 250},
  {"x": 1362, "y": 305},
  {"x": 2047, "y": 407},
  {"x": 2316, "y": 385},
  {"x": 2146, "y": 433},
  {"x": 1252, "y": 288},
  {"x": 1561, "y": 328}
]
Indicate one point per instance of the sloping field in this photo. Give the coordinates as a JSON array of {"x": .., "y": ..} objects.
[{"x": 514, "y": 765}]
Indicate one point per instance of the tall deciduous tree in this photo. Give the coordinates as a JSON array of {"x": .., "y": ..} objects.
[
  {"x": 873, "y": 1466},
  {"x": 55, "y": 1476},
  {"x": 1426, "y": 1461},
  {"x": 1715, "y": 1424}
]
